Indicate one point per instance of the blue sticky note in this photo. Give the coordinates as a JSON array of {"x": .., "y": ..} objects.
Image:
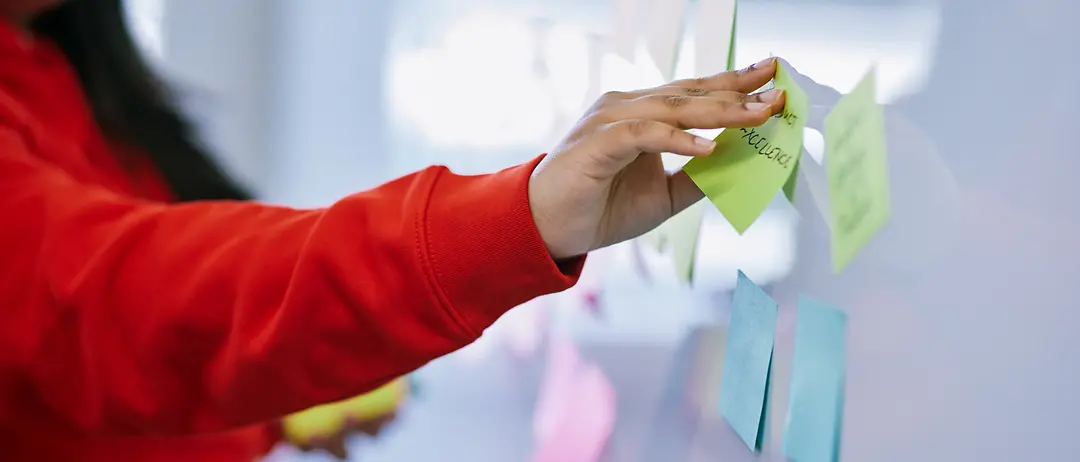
[
  {"x": 744, "y": 382},
  {"x": 816, "y": 403}
]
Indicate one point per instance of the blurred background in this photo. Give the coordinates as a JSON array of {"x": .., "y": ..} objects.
[{"x": 308, "y": 101}]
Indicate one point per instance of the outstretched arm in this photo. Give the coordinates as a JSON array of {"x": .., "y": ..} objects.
[{"x": 130, "y": 316}]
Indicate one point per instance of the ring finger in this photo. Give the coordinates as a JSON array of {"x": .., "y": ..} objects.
[{"x": 717, "y": 110}]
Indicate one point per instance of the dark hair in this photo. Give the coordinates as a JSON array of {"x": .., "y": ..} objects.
[{"x": 132, "y": 105}]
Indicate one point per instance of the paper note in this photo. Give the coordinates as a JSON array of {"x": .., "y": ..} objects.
[
  {"x": 816, "y": 402},
  {"x": 792, "y": 182},
  {"x": 681, "y": 232},
  {"x": 329, "y": 419},
  {"x": 582, "y": 435},
  {"x": 678, "y": 236},
  {"x": 813, "y": 174},
  {"x": 714, "y": 36},
  {"x": 683, "y": 236},
  {"x": 731, "y": 43},
  {"x": 750, "y": 165},
  {"x": 666, "y": 19},
  {"x": 857, "y": 172},
  {"x": 564, "y": 364},
  {"x": 745, "y": 377}
]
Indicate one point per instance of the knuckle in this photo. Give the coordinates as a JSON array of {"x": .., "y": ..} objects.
[
  {"x": 726, "y": 105},
  {"x": 599, "y": 116},
  {"x": 612, "y": 96},
  {"x": 694, "y": 91},
  {"x": 637, "y": 127},
  {"x": 675, "y": 101},
  {"x": 673, "y": 133},
  {"x": 725, "y": 79}
]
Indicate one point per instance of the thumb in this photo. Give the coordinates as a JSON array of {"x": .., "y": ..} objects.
[
  {"x": 683, "y": 191},
  {"x": 616, "y": 145}
]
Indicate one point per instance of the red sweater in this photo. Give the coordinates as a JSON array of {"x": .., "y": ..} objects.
[{"x": 127, "y": 322}]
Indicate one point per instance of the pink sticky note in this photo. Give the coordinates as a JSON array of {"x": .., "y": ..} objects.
[
  {"x": 564, "y": 364},
  {"x": 585, "y": 421}
]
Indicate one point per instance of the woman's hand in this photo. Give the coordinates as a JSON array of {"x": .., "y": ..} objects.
[{"x": 605, "y": 183}]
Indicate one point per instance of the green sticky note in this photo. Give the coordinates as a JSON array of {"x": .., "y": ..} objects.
[
  {"x": 857, "y": 172},
  {"x": 731, "y": 44},
  {"x": 750, "y": 165},
  {"x": 679, "y": 237},
  {"x": 744, "y": 382},
  {"x": 683, "y": 235},
  {"x": 681, "y": 232},
  {"x": 816, "y": 401},
  {"x": 789, "y": 186}
]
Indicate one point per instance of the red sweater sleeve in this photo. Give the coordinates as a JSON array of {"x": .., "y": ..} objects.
[{"x": 136, "y": 317}]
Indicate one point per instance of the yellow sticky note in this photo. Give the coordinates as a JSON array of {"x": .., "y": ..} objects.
[
  {"x": 329, "y": 419},
  {"x": 750, "y": 165},
  {"x": 857, "y": 172}
]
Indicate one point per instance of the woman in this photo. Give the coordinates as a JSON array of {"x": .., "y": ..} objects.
[{"x": 144, "y": 298}]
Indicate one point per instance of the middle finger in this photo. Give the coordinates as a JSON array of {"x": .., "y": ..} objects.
[{"x": 717, "y": 110}]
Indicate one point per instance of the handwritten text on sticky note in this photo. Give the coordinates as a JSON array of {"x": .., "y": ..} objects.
[
  {"x": 750, "y": 165},
  {"x": 857, "y": 172},
  {"x": 816, "y": 402}
]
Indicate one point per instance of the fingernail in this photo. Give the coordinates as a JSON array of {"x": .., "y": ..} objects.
[
  {"x": 763, "y": 63},
  {"x": 705, "y": 143},
  {"x": 771, "y": 95},
  {"x": 757, "y": 106}
]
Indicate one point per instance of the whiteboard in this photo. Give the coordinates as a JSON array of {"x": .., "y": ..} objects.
[{"x": 964, "y": 311}]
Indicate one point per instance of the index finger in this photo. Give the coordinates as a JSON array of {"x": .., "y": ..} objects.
[{"x": 743, "y": 80}]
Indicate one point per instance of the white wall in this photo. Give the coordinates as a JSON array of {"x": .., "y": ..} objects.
[
  {"x": 219, "y": 55},
  {"x": 327, "y": 134},
  {"x": 288, "y": 92}
]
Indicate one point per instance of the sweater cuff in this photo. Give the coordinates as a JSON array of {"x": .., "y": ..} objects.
[{"x": 483, "y": 247}]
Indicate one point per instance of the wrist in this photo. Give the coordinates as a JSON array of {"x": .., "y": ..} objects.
[
  {"x": 546, "y": 224},
  {"x": 556, "y": 215}
]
